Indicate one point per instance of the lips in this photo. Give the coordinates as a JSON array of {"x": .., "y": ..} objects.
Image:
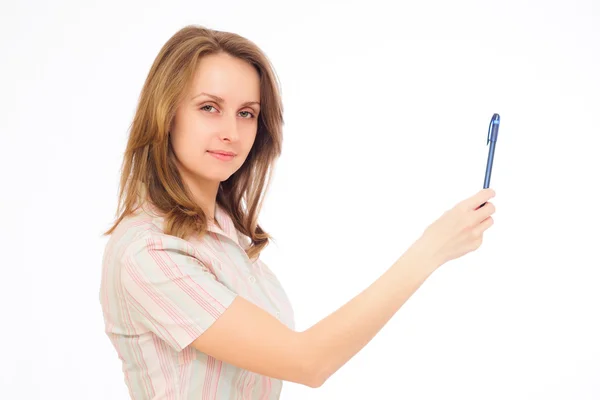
[
  {"x": 222, "y": 155},
  {"x": 222, "y": 152}
]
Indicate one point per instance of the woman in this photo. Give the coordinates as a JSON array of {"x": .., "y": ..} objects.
[{"x": 190, "y": 308}]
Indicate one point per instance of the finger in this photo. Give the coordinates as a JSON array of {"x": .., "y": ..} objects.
[
  {"x": 484, "y": 226},
  {"x": 480, "y": 198},
  {"x": 474, "y": 218},
  {"x": 484, "y": 211}
]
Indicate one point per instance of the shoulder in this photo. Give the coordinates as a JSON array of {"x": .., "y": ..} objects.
[{"x": 140, "y": 235}]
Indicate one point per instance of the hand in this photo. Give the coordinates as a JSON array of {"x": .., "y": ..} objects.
[{"x": 459, "y": 230}]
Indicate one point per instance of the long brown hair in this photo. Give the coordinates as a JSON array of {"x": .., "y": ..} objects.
[{"x": 148, "y": 164}]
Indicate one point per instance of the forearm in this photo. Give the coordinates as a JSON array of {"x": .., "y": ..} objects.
[{"x": 337, "y": 338}]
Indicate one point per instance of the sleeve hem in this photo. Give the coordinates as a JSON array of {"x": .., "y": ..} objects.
[{"x": 186, "y": 340}]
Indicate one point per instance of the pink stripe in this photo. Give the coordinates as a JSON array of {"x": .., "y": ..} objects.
[
  {"x": 186, "y": 288},
  {"x": 117, "y": 346},
  {"x": 109, "y": 324},
  {"x": 212, "y": 254},
  {"x": 167, "y": 308},
  {"x": 151, "y": 365},
  {"x": 185, "y": 374},
  {"x": 164, "y": 367},
  {"x": 263, "y": 392},
  {"x": 151, "y": 320},
  {"x": 210, "y": 361},
  {"x": 230, "y": 273},
  {"x": 248, "y": 287},
  {"x": 137, "y": 350},
  {"x": 249, "y": 387},
  {"x": 139, "y": 357},
  {"x": 215, "y": 388}
]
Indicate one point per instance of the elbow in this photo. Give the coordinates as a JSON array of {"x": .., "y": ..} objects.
[
  {"x": 316, "y": 381},
  {"x": 314, "y": 378},
  {"x": 314, "y": 373}
]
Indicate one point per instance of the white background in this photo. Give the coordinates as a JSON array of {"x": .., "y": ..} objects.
[{"x": 387, "y": 108}]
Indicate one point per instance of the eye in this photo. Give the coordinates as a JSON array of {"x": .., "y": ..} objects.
[
  {"x": 248, "y": 114},
  {"x": 207, "y": 107}
]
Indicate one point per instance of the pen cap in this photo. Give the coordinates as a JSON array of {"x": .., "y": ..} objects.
[{"x": 493, "y": 129}]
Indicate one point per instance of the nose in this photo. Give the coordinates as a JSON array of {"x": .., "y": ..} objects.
[{"x": 229, "y": 129}]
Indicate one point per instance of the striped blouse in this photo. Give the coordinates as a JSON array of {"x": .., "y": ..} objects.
[{"x": 159, "y": 293}]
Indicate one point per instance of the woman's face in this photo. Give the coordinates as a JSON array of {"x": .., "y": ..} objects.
[{"x": 216, "y": 123}]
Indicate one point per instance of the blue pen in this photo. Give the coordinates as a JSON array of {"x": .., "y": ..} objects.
[{"x": 491, "y": 141}]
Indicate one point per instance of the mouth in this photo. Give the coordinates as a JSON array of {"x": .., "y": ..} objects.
[{"x": 222, "y": 155}]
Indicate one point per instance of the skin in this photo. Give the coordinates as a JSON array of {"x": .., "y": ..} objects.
[
  {"x": 250, "y": 338},
  {"x": 246, "y": 335},
  {"x": 219, "y": 112}
]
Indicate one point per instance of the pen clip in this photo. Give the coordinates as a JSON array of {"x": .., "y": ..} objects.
[{"x": 489, "y": 131}]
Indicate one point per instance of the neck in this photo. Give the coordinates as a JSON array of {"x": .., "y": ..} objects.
[
  {"x": 206, "y": 197},
  {"x": 204, "y": 193}
]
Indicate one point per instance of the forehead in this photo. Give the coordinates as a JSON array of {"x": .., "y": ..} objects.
[{"x": 228, "y": 77}]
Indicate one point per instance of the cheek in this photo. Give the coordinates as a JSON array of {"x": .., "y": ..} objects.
[
  {"x": 249, "y": 136},
  {"x": 189, "y": 145}
]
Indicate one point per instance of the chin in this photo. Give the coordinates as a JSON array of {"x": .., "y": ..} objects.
[
  {"x": 220, "y": 176},
  {"x": 212, "y": 173}
]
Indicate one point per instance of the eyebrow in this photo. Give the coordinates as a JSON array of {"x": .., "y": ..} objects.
[{"x": 221, "y": 100}]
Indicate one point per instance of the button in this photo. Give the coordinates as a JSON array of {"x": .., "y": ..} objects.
[{"x": 251, "y": 279}]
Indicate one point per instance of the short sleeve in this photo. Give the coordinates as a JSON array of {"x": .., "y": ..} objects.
[{"x": 169, "y": 291}]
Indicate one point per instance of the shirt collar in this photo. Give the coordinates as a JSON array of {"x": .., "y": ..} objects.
[{"x": 225, "y": 227}]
